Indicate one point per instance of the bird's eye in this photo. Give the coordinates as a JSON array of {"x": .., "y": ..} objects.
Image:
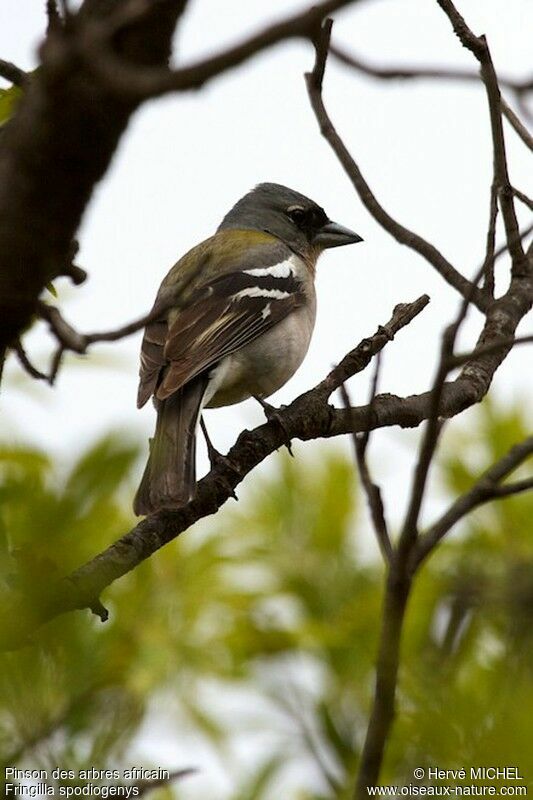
[{"x": 296, "y": 213}]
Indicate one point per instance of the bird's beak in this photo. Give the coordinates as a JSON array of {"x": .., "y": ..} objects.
[{"x": 334, "y": 235}]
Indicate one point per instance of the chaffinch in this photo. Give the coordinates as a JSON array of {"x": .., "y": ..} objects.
[{"x": 244, "y": 313}]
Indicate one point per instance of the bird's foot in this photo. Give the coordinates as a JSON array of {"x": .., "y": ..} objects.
[
  {"x": 273, "y": 415},
  {"x": 218, "y": 460}
]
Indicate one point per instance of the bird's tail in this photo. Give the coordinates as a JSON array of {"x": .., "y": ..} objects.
[{"x": 169, "y": 478}]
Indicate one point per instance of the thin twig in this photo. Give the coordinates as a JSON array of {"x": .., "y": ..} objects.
[
  {"x": 359, "y": 358},
  {"x": 372, "y": 490},
  {"x": 394, "y": 228},
  {"x": 10, "y": 72},
  {"x": 71, "y": 339},
  {"x": 433, "y": 428},
  {"x": 488, "y": 267},
  {"x": 459, "y": 359},
  {"x": 527, "y": 201},
  {"x": 56, "y": 363},
  {"x": 308, "y": 416},
  {"x": 398, "y": 72},
  {"x": 26, "y": 363},
  {"x": 504, "y": 248},
  {"x": 478, "y": 46},
  {"x": 486, "y": 488},
  {"x": 516, "y": 123},
  {"x": 127, "y": 80}
]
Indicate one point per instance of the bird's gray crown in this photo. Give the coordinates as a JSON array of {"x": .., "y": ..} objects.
[
  {"x": 266, "y": 208},
  {"x": 290, "y": 216}
]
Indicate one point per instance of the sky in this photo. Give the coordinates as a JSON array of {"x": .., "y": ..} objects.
[{"x": 423, "y": 147}]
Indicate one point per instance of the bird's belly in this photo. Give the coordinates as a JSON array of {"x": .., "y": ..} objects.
[{"x": 266, "y": 364}]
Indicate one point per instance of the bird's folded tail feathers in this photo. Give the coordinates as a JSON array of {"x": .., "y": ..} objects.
[{"x": 169, "y": 478}]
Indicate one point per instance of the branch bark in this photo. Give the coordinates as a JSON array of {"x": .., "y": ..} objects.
[
  {"x": 307, "y": 417},
  {"x": 446, "y": 397},
  {"x": 10, "y": 72},
  {"x": 44, "y": 145},
  {"x": 478, "y": 46},
  {"x": 402, "y": 234}
]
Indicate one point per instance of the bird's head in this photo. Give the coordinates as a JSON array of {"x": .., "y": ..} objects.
[{"x": 290, "y": 216}]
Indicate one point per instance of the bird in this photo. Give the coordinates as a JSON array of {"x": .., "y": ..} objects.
[{"x": 237, "y": 315}]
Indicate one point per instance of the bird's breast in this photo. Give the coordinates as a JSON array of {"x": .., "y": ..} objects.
[{"x": 264, "y": 365}]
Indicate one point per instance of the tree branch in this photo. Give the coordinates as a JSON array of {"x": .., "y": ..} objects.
[
  {"x": 516, "y": 123},
  {"x": 402, "y": 234},
  {"x": 403, "y": 73},
  {"x": 307, "y": 417},
  {"x": 10, "y": 72},
  {"x": 44, "y": 145},
  {"x": 371, "y": 489},
  {"x": 485, "y": 489},
  {"x": 26, "y": 363},
  {"x": 126, "y": 80},
  {"x": 478, "y": 46}
]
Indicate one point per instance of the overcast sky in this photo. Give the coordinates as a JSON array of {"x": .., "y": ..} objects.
[{"x": 424, "y": 148}]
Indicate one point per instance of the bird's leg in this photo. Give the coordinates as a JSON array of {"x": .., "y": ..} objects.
[
  {"x": 216, "y": 459},
  {"x": 272, "y": 414}
]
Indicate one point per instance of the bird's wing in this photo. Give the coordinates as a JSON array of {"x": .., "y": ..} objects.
[
  {"x": 219, "y": 313},
  {"x": 224, "y": 316}
]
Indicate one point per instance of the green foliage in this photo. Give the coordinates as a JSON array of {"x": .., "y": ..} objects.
[
  {"x": 273, "y": 602},
  {"x": 8, "y": 101}
]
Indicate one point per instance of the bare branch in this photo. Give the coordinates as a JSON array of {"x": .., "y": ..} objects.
[
  {"x": 478, "y": 46},
  {"x": 372, "y": 490},
  {"x": 488, "y": 266},
  {"x": 398, "y": 72},
  {"x": 399, "y": 578},
  {"x": 527, "y": 201},
  {"x": 129, "y": 81},
  {"x": 321, "y": 41},
  {"x": 10, "y": 72},
  {"x": 504, "y": 248},
  {"x": 71, "y": 339},
  {"x": 462, "y": 358},
  {"x": 516, "y": 123},
  {"x": 397, "y": 591},
  {"x": 26, "y": 363},
  {"x": 394, "y": 228},
  {"x": 359, "y": 358},
  {"x": 61, "y": 109},
  {"x": 307, "y": 417},
  {"x": 485, "y": 489}
]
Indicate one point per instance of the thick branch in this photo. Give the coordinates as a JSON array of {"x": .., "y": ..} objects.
[
  {"x": 307, "y": 417},
  {"x": 141, "y": 84},
  {"x": 47, "y": 171}
]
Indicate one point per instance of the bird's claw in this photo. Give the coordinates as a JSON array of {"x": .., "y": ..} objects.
[
  {"x": 272, "y": 414},
  {"x": 217, "y": 461}
]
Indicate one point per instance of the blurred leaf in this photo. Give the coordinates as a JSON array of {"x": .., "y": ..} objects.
[
  {"x": 255, "y": 787},
  {"x": 272, "y": 604},
  {"x": 8, "y": 100}
]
